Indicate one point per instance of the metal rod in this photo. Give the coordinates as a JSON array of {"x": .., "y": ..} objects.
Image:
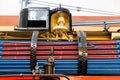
[{"x": 99, "y": 22}]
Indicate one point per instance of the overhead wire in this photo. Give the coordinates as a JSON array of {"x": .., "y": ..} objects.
[
  {"x": 79, "y": 9},
  {"x": 102, "y": 10},
  {"x": 98, "y": 12},
  {"x": 92, "y": 9},
  {"x": 76, "y": 8},
  {"x": 43, "y": 4}
]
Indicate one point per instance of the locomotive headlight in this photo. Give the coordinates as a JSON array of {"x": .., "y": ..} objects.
[{"x": 60, "y": 20}]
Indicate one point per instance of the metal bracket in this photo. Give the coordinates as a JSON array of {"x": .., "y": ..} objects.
[
  {"x": 82, "y": 53},
  {"x": 95, "y": 46},
  {"x": 81, "y": 39},
  {"x": 33, "y": 59},
  {"x": 106, "y": 27}
]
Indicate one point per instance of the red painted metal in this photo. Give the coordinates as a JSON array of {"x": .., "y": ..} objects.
[
  {"x": 46, "y": 44},
  {"x": 21, "y": 50},
  {"x": 75, "y": 52},
  {"x": 94, "y": 78},
  {"x": 65, "y": 47},
  {"x": 62, "y": 78},
  {"x": 103, "y": 42},
  {"x": 28, "y": 44},
  {"x": 103, "y": 52},
  {"x": 63, "y": 57},
  {"x": 40, "y": 57},
  {"x": 103, "y": 47},
  {"x": 103, "y": 56},
  {"x": 18, "y": 78}
]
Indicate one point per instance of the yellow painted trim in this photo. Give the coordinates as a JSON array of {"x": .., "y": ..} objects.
[
  {"x": 78, "y": 28},
  {"x": 7, "y": 28},
  {"x": 96, "y": 28}
]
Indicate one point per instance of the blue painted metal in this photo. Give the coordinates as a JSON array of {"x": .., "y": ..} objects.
[
  {"x": 1, "y": 48},
  {"x": 118, "y": 42},
  {"x": 104, "y": 71},
  {"x": 110, "y": 66}
]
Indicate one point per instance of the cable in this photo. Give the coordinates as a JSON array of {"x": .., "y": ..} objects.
[
  {"x": 97, "y": 12},
  {"x": 101, "y": 10},
  {"x": 78, "y": 8},
  {"x": 92, "y": 9},
  {"x": 43, "y": 4},
  {"x": 74, "y": 9}
]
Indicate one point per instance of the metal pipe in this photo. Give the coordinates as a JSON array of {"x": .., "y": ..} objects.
[{"x": 94, "y": 22}]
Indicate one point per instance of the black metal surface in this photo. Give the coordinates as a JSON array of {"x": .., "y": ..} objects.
[
  {"x": 49, "y": 68},
  {"x": 82, "y": 46},
  {"x": 23, "y": 18},
  {"x": 106, "y": 27},
  {"x": 33, "y": 60},
  {"x": 82, "y": 64},
  {"x": 49, "y": 78},
  {"x": 35, "y": 22}
]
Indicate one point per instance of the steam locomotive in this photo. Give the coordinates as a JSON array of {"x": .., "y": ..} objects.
[{"x": 44, "y": 46}]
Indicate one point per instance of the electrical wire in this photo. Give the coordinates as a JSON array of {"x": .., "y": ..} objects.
[
  {"x": 76, "y": 8},
  {"x": 40, "y": 1},
  {"x": 43, "y": 4},
  {"x": 102, "y": 10},
  {"x": 98, "y": 12}
]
